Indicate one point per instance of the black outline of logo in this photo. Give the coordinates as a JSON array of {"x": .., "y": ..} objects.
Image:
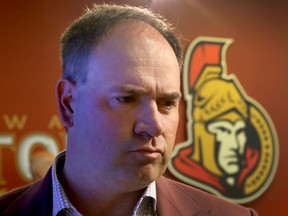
[{"x": 259, "y": 118}]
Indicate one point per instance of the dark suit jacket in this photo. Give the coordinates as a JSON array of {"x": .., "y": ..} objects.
[{"x": 173, "y": 198}]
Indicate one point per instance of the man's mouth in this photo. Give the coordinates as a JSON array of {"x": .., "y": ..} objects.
[{"x": 148, "y": 153}]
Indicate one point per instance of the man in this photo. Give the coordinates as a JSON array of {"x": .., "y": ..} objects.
[
  {"x": 231, "y": 140},
  {"x": 118, "y": 100}
]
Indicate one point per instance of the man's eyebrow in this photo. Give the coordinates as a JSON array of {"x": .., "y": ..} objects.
[
  {"x": 136, "y": 90},
  {"x": 172, "y": 96},
  {"x": 129, "y": 89}
]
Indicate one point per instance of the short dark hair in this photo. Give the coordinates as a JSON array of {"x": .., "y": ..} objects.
[{"x": 87, "y": 32}]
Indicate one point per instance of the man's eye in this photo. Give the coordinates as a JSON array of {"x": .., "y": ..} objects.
[
  {"x": 224, "y": 130},
  {"x": 167, "y": 104},
  {"x": 125, "y": 99}
]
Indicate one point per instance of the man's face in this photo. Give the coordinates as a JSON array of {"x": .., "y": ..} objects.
[
  {"x": 125, "y": 116},
  {"x": 232, "y": 140}
]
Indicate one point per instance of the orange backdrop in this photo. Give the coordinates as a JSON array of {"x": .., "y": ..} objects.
[{"x": 30, "y": 66}]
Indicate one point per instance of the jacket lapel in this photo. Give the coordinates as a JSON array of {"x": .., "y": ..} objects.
[{"x": 172, "y": 199}]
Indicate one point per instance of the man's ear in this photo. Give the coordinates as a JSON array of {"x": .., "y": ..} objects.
[{"x": 66, "y": 95}]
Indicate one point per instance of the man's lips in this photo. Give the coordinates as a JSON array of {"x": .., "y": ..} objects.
[
  {"x": 147, "y": 152},
  {"x": 232, "y": 159}
]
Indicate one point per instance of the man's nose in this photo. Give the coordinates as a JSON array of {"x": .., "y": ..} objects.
[
  {"x": 148, "y": 121},
  {"x": 233, "y": 142}
]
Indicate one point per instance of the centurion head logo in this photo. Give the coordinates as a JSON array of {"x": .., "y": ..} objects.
[{"x": 231, "y": 149}]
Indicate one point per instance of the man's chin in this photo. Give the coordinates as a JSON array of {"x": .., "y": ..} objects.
[
  {"x": 233, "y": 170},
  {"x": 149, "y": 173}
]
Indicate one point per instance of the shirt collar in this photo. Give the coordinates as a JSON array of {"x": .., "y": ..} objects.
[
  {"x": 146, "y": 205},
  {"x": 62, "y": 203},
  {"x": 60, "y": 200}
]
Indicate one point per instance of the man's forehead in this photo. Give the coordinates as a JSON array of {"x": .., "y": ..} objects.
[
  {"x": 130, "y": 39},
  {"x": 132, "y": 30}
]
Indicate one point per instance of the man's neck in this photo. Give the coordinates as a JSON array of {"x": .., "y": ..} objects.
[{"x": 97, "y": 199}]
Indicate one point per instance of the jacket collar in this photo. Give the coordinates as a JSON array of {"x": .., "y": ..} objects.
[{"x": 173, "y": 199}]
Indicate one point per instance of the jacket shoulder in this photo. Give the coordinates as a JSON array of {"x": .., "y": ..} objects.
[
  {"x": 186, "y": 197},
  {"x": 8, "y": 198},
  {"x": 33, "y": 199}
]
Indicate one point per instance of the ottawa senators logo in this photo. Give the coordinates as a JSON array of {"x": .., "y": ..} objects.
[{"x": 232, "y": 148}]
